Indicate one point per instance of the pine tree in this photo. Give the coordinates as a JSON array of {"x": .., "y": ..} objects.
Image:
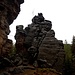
[{"x": 73, "y": 45}]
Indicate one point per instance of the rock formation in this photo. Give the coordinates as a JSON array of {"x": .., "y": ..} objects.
[
  {"x": 9, "y": 10},
  {"x": 20, "y": 36},
  {"x": 39, "y": 42}
]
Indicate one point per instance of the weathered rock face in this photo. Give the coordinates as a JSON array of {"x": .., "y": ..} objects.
[
  {"x": 7, "y": 47},
  {"x": 20, "y": 39},
  {"x": 9, "y": 10},
  {"x": 40, "y": 43}
]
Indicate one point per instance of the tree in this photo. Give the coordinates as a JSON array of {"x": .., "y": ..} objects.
[{"x": 73, "y": 45}]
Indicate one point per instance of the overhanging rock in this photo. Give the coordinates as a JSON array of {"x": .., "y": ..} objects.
[{"x": 9, "y": 10}]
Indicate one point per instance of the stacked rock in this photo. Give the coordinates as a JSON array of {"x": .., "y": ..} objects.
[{"x": 40, "y": 43}]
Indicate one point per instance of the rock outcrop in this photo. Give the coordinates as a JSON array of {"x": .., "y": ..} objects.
[
  {"x": 39, "y": 42},
  {"x": 9, "y": 10}
]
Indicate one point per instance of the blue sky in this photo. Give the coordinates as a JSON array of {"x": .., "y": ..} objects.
[{"x": 60, "y": 12}]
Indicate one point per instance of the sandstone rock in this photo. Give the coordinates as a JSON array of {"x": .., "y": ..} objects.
[
  {"x": 18, "y": 61},
  {"x": 5, "y": 73},
  {"x": 7, "y": 48},
  {"x": 16, "y": 70},
  {"x": 37, "y": 19},
  {"x": 5, "y": 62},
  {"x": 40, "y": 36},
  {"x": 20, "y": 69},
  {"x": 20, "y": 39},
  {"x": 43, "y": 63},
  {"x": 9, "y": 10}
]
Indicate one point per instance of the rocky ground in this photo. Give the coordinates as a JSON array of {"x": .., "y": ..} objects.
[
  {"x": 16, "y": 65},
  {"x": 28, "y": 70}
]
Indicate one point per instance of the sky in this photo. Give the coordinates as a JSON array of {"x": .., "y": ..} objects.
[{"x": 60, "y": 12}]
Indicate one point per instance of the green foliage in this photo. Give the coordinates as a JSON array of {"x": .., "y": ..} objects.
[
  {"x": 73, "y": 45},
  {"x": 68, "y": 59},
  {"x": 68, "y": 52}
]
